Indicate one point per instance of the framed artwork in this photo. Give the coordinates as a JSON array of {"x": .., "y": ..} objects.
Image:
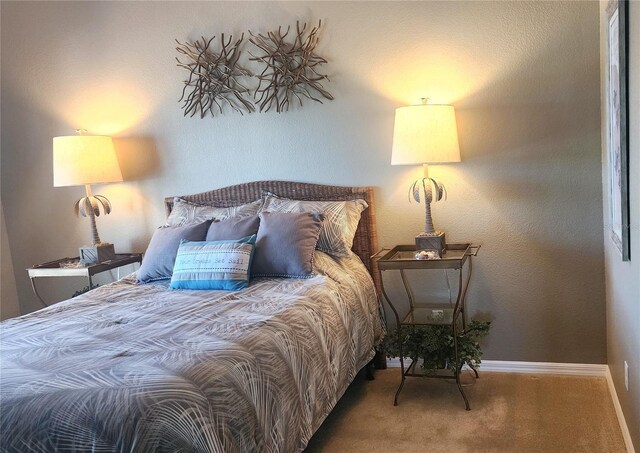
[{"x": 617, "y": 126}]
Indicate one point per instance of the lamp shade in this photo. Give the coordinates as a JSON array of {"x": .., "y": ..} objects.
[
  {"x": 84, "y": 159},
  {"x": 425, "y": 134}
]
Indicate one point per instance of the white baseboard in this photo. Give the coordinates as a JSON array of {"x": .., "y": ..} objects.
[
  {"x": 557, "y": 369},
  {"x": 552, "y": 368},
  {"x": 616, "y": 404}
]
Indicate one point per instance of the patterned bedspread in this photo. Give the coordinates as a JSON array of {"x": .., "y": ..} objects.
[{"x": 141, "y": 368}]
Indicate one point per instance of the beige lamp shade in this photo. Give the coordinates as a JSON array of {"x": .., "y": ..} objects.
[
  {"x": 84, "y": 159},
  {"x": 425, "y": 134}
]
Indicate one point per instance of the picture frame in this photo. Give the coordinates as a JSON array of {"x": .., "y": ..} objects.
[{"x": 617, "y": 113}]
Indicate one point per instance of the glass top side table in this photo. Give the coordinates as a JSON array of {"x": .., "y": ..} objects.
[
  {"x": 70, "y": 267},
  {"x": 402, "y": 258}
]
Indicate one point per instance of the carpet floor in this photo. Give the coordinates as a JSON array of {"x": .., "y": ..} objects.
[{"x": 509, "y": 413}]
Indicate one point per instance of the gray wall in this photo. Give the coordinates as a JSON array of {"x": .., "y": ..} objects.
[
  {"x": 8, "y": 295},
  {"x": 524, "y": 78},
  {"x": 623, "y": 278}
]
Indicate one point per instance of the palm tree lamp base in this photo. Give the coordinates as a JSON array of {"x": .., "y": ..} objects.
[
  {"x": 98, "y": 253},
  {"x": 431, "y": 241}
]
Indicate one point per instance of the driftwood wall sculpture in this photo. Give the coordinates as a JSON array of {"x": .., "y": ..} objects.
[
  {"x": 290, "y": 68},
  {"x": 214, "y": 77},
  {"x": 290, "y": 71}
]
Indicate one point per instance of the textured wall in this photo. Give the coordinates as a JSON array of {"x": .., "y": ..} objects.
[
  {"x": 623, "y": 278},
  {"x": 8, "y": 295},
  {"x": 524, "y": 78}
]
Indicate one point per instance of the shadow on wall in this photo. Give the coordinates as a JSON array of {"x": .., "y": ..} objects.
[
  {"x": 536, "y": 160},
  {"x": 138, "y": 157}
]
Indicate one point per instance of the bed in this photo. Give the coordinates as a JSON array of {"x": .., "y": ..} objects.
[{"x": 130, "y": 367}]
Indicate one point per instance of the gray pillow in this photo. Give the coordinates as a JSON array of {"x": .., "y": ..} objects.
[
  {"x": 285, "y": 244},
  {"x": 233, "y": 229},
  {"x": 161, "y": 254},
  {"x": 341, "y": 219}
]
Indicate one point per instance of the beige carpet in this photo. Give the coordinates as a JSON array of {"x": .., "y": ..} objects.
[{"x": 509, "y": 413}]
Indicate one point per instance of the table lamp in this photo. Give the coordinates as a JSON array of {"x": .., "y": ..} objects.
[
  {"x": 85, "y": 160},
  {"x": 426, "y": 134}
]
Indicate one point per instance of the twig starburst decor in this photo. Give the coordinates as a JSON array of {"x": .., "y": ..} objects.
[
  {"x": 291, "y": 69},
  {"x": 214, "y": 77}
]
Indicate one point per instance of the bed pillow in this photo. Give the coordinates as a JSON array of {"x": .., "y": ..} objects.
[
  {"x": 184, "y": 212},
  {"x": 233, "y": 229},
  {"x": 340, "y": 219},
  {"x": 213, "y": 264},
  {"x": 285, "y": 244},
  {"x": 160, "y": 256}
]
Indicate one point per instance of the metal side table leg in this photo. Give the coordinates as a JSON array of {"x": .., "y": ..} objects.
[
  {"x": 398, "y": 329},
  {"x": 464, "y": 308},
  {"x": 458, "y": 370},
  {"x": 454, "y": 327},
  {"x": 395, "y": 400},
  {"x": 35, "y": 291}
]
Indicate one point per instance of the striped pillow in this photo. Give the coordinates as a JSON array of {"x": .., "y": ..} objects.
[
  {"x": 213, "y": 264},
  {"x": 341, "y": 219},
  {"x": 185, "y": 213}
]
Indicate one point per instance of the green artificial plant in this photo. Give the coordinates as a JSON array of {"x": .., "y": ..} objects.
[{"x": 434, "y": 345}]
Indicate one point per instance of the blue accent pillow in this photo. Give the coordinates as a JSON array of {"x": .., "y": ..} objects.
[{"x": 213, "y": 264}]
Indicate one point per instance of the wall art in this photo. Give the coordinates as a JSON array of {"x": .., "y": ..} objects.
[
  {"x": 214, "y": 77},
  {"x": 618, "y": 127},
  {"x": 291, "y": 68}
]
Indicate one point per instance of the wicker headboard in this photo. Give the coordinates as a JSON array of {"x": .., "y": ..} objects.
[{"x": 365, "y": 243}]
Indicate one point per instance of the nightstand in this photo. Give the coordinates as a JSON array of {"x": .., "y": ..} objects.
[
  {"x": 69, "y": 267},
  {"x": 402, "y": 258}
]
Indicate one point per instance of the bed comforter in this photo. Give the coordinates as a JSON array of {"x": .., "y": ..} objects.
[{"x": 141, "y": 368}]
